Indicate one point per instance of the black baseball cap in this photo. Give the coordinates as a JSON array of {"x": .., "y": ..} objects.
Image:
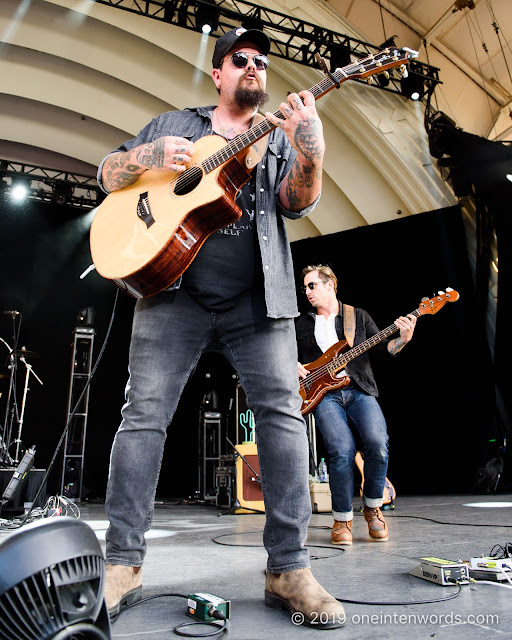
[{"x": 227, "y": 41}]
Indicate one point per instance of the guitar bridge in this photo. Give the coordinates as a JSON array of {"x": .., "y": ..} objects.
[{"x": 144, "y": 211}]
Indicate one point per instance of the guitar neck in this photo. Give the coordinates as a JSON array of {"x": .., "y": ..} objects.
[
  {"x": 341, "y": 361},
  {"x": 249, "y": 137}
]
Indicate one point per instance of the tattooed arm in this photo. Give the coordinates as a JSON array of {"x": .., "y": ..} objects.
[
  {"x": 303, "y": 128},
  {"x": 406, "y": 326},
  {"x": 169, "y": 153}
]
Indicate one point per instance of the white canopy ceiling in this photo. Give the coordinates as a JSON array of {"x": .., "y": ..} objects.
[{"x": 78, "y": 78}]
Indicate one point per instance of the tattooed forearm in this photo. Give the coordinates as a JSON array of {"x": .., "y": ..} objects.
[
  {"x": 294, "y": 202},
  {"x": 309, "y": 140},
  {"x": 122, "y": 169},
  {"x": 395, "y": 346},
  {"x": 152, "y": 155}
]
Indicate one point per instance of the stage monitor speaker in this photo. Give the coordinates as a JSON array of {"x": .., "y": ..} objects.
[
  {"x": 19, "y": 475},
  {"x": 249, "y": 494}
]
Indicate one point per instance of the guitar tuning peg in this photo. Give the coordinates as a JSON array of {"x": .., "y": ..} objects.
[
  {"x": 424, "y": 300},
  {"x": 371, "y": 80},
  {"x": 440, "y": 293},
  {"x": 403, "y": 70},
  {"x": 386, "y": 74},
  {"x": 449, "y": 289}
]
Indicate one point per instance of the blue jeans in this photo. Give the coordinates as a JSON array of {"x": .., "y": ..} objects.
[
  {"x": 340, "y": 416},
  {"x": 170, "y": 331}
]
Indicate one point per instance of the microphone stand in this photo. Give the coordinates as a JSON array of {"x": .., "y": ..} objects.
[
  {"x": 7, "y": 429},
  {"x": 30, "y": 370}
]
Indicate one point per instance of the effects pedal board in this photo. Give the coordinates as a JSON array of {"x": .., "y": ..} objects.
[{"x": 443, "y": 572}]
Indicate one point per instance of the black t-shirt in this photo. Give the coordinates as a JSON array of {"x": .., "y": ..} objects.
[{"x": 229, "y": 262}]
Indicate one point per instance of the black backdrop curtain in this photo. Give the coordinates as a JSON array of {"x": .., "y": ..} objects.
[{"x": 434, "y": 394}]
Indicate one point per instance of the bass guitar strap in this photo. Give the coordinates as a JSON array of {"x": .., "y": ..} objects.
[{"x": 349, "y": 324}]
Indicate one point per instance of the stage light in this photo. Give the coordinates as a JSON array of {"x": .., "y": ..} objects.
[
  {"x": 340, "y": 57},
  {"x": 52, "y": 583},
  {"x": 413, "y": 86},
  {"x": 207, "y": 16},
  {"x": 390, "y": 42},
  {"x": 19, "y": 189},
  {"x": 62, "y": 194},
  {"x": 169, "y": 9},
  {"x": 252, "y": 23}
]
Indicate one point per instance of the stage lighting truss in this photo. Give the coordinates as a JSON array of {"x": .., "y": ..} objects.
[
  {"x": 50, "y": 185},
  {"x": 291, "y": 38}
]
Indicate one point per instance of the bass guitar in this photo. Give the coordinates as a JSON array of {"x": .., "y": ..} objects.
[
  {"x": 324, "y": 372},
  {"x": 144, "y": 236}
]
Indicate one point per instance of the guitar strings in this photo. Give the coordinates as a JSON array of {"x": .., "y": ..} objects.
[
  {"x": 265, "y": 126},
  {"x": 325, "y": 368}
]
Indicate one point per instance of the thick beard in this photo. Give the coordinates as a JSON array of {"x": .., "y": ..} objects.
[{"x": 250, "y": 98}]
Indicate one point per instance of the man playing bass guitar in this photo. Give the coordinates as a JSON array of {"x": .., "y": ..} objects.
[{"x": 352, "y": 411}]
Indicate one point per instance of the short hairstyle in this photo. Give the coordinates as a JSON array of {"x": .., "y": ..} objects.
[{"x": 325, "y": 272}]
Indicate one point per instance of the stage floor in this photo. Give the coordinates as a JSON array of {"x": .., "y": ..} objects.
[{"x": 183, "y": 557}]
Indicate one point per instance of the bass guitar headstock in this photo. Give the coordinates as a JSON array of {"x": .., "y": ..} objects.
[{"x": 433, "y": 305}]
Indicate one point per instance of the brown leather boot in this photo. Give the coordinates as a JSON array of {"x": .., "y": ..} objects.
[
  {"x": 307, "y": 601},
  {"x": 341, "y": 532},
  {"x": 123, "y": 586},
  {"x": 377, "y": 527}
]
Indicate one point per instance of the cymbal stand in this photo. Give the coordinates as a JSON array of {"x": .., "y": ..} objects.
[
  {"x": 30, "y": 370},
  {"x": 5, "y": 436}
]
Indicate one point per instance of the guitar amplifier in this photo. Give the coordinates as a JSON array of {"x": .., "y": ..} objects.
[{"x": 249, "y": 493}]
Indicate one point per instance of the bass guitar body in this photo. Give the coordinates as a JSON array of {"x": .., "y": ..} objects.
[
  {"x": 144, "y": 236},
  {"x": 322, "y": 377}
]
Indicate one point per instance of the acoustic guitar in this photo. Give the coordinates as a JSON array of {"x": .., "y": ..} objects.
[
  {"x": 324, "y": 371},
  {"x": 144, "y": 236}
]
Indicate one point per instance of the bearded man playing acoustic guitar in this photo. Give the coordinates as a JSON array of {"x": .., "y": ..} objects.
[
  {"x": 237, "y": 297},
  {"x": 353, "y": 409}
]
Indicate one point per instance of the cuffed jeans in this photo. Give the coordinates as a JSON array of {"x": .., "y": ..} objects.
[
  {"x": 170, "y": 331},
  {"x": 340, "y": 415}
]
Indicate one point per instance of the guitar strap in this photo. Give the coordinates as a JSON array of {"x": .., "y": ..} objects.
[
  {"x": 257, "y": 150},
  {"x": 349, "y": 324}
]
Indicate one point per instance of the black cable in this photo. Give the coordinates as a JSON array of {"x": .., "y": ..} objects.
[
  {"x": 385, "y": 604},
  {"x": 72, "y": 415},
  {"x": 455, "y": 524},
  {"x": 260, "y": 546},
  {"x": 214, "y": 613}
]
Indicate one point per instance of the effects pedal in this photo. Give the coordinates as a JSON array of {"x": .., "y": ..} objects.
[
  {"x": 443, "y": 572},
  {"x": 201, "y": 605}
]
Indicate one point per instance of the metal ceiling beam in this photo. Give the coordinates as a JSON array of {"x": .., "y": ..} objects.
[
  {"x": 83, "y": 192},
  {"x": 292, "y": 39}
]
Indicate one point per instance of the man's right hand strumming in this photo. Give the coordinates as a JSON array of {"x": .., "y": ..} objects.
[
  {"x": 303, "y": 372},
  {"x": 169, "y": 153}
]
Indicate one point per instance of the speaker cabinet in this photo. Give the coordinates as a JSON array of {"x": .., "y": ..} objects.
[{"x": 249, "y": 494}]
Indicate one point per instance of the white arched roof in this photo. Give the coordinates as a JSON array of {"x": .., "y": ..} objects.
[{"x": 78, "y": 78}]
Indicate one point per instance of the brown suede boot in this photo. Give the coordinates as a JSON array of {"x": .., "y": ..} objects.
[
  {"x": 307, "y": 601},
  {"x": 377, "y": 527},
  {"x": 341, "y": 532},
  {"x": 123, "y": 586}
]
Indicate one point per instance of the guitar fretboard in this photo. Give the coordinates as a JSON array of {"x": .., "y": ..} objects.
[
  {"x": 338, "y": 363},
  {"x": 249, "y": 137}
]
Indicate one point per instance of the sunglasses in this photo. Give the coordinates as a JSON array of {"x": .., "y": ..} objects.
[
  {"x": 312, "y": 285},
  {"x": 240, "y": 60}
]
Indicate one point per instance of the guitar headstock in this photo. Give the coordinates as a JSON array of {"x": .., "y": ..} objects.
[
  {"x": 437, "y": 302},
  {"x": 377, "y": 63}
]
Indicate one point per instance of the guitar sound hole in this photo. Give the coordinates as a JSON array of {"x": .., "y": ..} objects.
[{"x": 188, "y": 181}]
